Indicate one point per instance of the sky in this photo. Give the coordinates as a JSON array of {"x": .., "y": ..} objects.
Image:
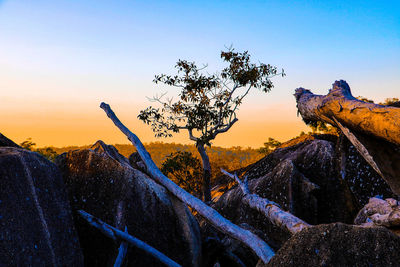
[{"x": 60, "y": 59}]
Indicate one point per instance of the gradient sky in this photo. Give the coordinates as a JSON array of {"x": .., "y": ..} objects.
[{"x": 60, "y": 59}]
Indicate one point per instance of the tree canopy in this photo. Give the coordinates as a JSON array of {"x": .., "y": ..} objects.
[{"x": 207, "y": 103}]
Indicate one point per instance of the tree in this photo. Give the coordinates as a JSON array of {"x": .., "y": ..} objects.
[
  {"x": 207, "y": 103},
  {"x": 184, "y": 170},
  {"x": 269, "y": 146},
  {"x": 47, "y": 152},
  {"x": 28, "y": 144}
]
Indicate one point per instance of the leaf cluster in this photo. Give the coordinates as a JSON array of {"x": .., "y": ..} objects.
[
  {"x": 185, "y": 170},
  {"x": 269, "y": 146}
]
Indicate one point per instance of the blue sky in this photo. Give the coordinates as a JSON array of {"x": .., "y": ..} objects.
[{"x": 60, "y": 59}]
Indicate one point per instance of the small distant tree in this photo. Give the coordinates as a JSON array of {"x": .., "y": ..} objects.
[
  {"x": 47, "y": 152},
  {"x": 28, "y": 144},
  {"x": 185, "y": 170},
  {"x": 207, "y": 103},
  {"x": 322, "y": 127},
  {"x": 269, "y": 146},
  {"x": 390, "y": 101}
]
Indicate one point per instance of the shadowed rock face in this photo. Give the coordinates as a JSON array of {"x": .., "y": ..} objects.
[
  {"x": 102, "y": 184},
  {"x": 35, "y": 217},
  {"x": 339, "y": 245},
  {"x": 4, "y": 141},
  {"x": 303, "y": 180},
  {"x": 363, "y": 180}
]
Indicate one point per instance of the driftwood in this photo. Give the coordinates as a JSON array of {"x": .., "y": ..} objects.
[
  {"x": 116, "y": 234},
  {"x": 373, "y": 129},
  {"x": 270, "y": 209},
  {"x": 217, "y": 220}
]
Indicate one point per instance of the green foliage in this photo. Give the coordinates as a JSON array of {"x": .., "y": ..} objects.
[
  {"x": 28, "y": 144},
  {"x": 322, "y": 127},
  {"x": 390, "y": 101},
  {"x": 207, "y": 103},
  {"x": 228, "y": 158},
  {"x": 365, "y": 99},
  {"x": 269, "y": 146},
  {"x": 184, "y": 170},
  {"x": 47, "y": 152}
]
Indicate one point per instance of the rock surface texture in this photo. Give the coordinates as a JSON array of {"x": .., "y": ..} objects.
[
  {"x": 303, "y": 180},
  {"x": 339, "y": 245},
  {"x": 101, "y": 182},
  {"x": 35, "y": 217},
  {"x": 363, "y": 180}
]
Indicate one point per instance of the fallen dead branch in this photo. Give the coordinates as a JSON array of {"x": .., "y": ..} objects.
[
  {"x": 116, "y": 234},
  {"x": 373, "y": 129},
  {"x": 217, "y": 220},
  {"x": 270, "y": 209},
  {"x": 122, "y": 250}
]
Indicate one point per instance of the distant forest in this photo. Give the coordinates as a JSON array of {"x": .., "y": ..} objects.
[{"x": 228, "y": 158}]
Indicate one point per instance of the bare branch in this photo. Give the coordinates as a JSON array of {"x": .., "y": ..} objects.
[
  {"x": 227, "y": 127},
  {"x": 251, "y": 240},
  {"x": 122, "y": 250},
  {"x": 270, "y": 209},
  {"x": 116, "y": 234},
  {"x": 191, "y": 136}
]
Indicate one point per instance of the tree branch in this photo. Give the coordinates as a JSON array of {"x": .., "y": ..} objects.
[
  {"x": 270, "y": 209},
  {"x": 227, "y": 127},
  {"x": 122, "y": 250},
  {"x": 116, "y": 234},
  {"x": 191, "y": 136},
  {"x": 251, "y": 240}
]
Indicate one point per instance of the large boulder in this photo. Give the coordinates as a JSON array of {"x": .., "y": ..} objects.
[
  {"x": 303, "y": 180},
  {"x": 35, "y": 217},
  {"x": 339, "y": 245},
  {"x": 101, "y": 182}
]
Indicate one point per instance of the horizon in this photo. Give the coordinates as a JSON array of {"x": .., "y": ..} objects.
[{"x": 61, "y": 60}]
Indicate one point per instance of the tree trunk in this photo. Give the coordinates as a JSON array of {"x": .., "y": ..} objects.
[
  {"x": 219, "y": 222},
  {"x": 206, "y": 173},
  {"x": 373, "y": 129},
  {"x": 369, "y": 118}
]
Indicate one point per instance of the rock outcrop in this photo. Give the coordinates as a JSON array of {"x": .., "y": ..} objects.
[
  {"x": 101, "y": 182},
  {"x": 4, "y": 141},
  {"x": 339, "y": 245},
  {"x": 303, "y": 180},
  {"x": 35, "y": 217}
]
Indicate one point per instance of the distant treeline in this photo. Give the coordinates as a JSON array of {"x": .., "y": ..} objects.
[{"x": 228, "y": 158}]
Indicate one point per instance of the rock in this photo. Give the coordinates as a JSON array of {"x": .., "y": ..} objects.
[
  {"x": 363, "y": 180},
  {"x": 137, "y": 163},
  {"x": 4, "y": 141},
  {"x": 339, "y": 244},
  {"x": 303, "y": 180},
  {"x": 101, "y": 183},
  {"x": 110, "y": 151},
  {"x": 379, "y": 212},
  {"x": 226, "y": 251},
  {"x": 35, "y": 217}
]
